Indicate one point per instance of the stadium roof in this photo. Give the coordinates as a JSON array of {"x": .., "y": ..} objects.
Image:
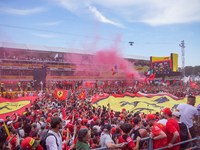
[{"x": 58, "y": 49}]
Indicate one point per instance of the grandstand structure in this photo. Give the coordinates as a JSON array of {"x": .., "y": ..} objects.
[{"x": 19, "y": 61}]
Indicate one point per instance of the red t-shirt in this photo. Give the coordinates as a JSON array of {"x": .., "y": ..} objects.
[
  {"x": 171, "y": 127},
  {"x": 130, "y": 141},
  {"x": 156, "y": 129},
  {"x": 64, "y": 147},
  {"x": 39, "y": 147},
  {"x": 12, "y": 142},
  {"x": 16, "y": 125}
]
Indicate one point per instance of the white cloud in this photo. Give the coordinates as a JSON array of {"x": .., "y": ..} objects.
[
  {"x": 151, "y": 12},
  {"x": 102, "y": 18},
  {"x": 85, "y": 7},
  {"x": 44, "y": 35},
  {"x": 22, "y": 11},
  {"x": 154, "y": 12},
  {"x": 50, "y": 23}
]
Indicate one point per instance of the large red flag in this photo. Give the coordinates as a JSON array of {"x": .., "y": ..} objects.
[
  {"x": 10, "y": 106},
  {"x": 82, "y": 95},
  {"x": 88, "y": 84},
  {"x": 61, "y": 94}
]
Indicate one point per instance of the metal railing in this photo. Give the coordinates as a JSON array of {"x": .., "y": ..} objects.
[{"x": 150, "y": 144}]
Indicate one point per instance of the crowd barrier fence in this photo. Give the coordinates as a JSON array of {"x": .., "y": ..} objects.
[{"x": 150, "y": 144}]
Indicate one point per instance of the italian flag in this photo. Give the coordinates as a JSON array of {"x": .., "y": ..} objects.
[{"x": 149, "y": 72}]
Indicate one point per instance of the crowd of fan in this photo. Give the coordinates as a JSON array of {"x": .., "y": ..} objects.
[
  {"x": 31, "y": 58},
  {"x": 54, "y": 124},
  {"x": 109, "y": 87}
]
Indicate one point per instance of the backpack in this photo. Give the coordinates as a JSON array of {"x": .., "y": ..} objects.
[
  {"x": 183, "y": 134},
  {"x": 134, "y": 134},
  {"x": 43, "y": 140},
  {"x": 3, "y": 134}
]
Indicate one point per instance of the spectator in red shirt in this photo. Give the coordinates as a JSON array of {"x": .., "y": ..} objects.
[
  {"x": 126, "y": 128},
  {"x": 172, "y": 129},
  {"x": 158, "y": 132}
]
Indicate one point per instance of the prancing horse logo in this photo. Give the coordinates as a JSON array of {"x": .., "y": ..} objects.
[
  {"x": 7, "y": 107},
  {"x": 60, "y": 94}
]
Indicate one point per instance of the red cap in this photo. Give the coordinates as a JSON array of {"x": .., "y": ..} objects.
[
  {"x": 123, "y": 109},
  {"x": 49, "y": 115},
  {"x": 111, "y": 116},
  {"x": 29, "y": 143},
  {"x": 76, "y": 116},
  {"x": 95, "y": 118},
  {"x": 150, "y": 116},
  {"x": 121, "y": 116},
  {"x": 70, "y": 116},
  {"x": 83, "y": 127},
  {"x": 48, "y": 120},
  {"x": 113, "y": 130},
  {"x": 167, "y": 110},
  {"x": 85, "y": 120}
]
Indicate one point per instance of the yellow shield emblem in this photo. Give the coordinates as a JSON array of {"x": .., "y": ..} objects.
[
  {"x": 60, "y": 94},
  {"x": 7, "y": 107}
]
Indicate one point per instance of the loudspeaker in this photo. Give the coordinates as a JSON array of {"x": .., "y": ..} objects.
[{"x": 39, "y": 74}]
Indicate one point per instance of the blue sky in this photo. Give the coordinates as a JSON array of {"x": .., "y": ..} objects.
[{"x": 156, "y": 27}]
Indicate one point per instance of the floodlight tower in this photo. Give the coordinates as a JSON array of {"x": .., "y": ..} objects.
[{"x": 182, "y": 45}]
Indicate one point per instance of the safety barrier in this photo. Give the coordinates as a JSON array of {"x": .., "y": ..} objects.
[{"x": 150, "y": 144}]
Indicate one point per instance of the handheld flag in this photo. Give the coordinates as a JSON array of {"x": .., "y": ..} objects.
[
  {"x": 61, "y": 94},
  {"x": 149, "y": 72},
  {"x": 180, "y": 82},
  {"x": 82, "y": 95},
  {"x": 80, "y": 87},
  {"x": 151, "y": 77},
  {"x": 167, "y": 83},
  {"x": 114, "y": 70},
  {"x": 194, "y": 85},
  {"x": 174, "y": 81},
  {"x": 88, "y": 84},
  {"x": 6, "y": 128},
  {"x": 64, "y": 114}
]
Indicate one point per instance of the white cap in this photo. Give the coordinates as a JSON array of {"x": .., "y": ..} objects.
[{"x": 176, "y": 113}]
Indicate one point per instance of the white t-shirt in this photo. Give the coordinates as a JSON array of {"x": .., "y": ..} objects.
[
  {"x": 163, "y": 121},
  {"x": 21, "y": 133},
  {"x": 187, "y": 113},
  {"x": 51, "y": 141}
]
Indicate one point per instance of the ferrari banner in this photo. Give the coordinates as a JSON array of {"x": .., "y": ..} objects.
[
  {"x": 141, "y": 102},
  {"x": 10, "y": 106},
  {"x": 61, "y": 94}
]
